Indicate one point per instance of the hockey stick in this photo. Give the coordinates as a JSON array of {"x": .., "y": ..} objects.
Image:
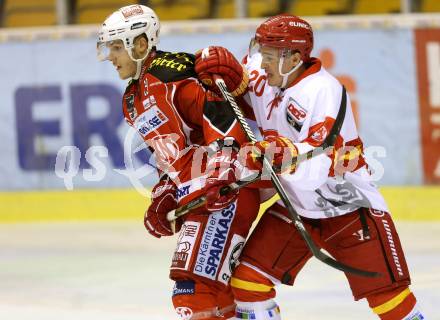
[
  {"x": 327, "y": 143},
  {"x": 198, "y": 202},
  {"x": 296, "y": 219}
]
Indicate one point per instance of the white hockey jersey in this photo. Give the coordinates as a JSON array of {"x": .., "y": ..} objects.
[{"x": 327, "y": 185}]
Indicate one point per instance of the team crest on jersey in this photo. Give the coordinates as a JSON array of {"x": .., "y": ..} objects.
[
  {"x": 320, "y": 134},
  {"x": 132, "y": 112},
  {"x": 295, "y": 114}
]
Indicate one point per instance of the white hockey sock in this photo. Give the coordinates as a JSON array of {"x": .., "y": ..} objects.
[
  {"x": 415, "y": 314},
  {"x": 261, "y": 310}
]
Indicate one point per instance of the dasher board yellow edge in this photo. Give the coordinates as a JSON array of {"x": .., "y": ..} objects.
[{"x": 405, "y": 203}]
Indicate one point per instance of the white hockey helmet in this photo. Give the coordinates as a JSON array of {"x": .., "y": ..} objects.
[{"x": 126, "y": 24}]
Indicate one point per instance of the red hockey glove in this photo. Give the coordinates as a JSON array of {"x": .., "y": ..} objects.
[
  {"x": 221, "y": 171},
  {"x": 280, "y": 150},
  {"x": 163, "y": 200},
  {"x": 219, "y": 61}
]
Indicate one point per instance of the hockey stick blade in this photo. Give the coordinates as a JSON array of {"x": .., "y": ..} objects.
[{"x": 279, "y": 187}]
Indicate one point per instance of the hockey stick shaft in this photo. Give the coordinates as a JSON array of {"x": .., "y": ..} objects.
[
  {"x": 327, "y": 143},
  {"x": 280, "y": 189},
  {"x": 198, "y": 202},
  {"x": 182, "y": 210}
]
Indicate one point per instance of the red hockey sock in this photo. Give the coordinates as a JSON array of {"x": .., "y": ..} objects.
[
  {"x": 200, "y": 301},
  {"x": 392, "y": 305},
  {"x": 249, "y": 285}
]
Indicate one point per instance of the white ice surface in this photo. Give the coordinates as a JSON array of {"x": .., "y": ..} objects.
[{"x": 114, "y": 271}]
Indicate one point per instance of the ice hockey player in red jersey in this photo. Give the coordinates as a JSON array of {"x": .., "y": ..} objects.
[
  {"x": 295, "y": 102},
  {"x": 195, "y": 139}
]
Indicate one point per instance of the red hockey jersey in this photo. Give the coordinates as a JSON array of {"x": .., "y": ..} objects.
[{"x": 175, "y": 115}]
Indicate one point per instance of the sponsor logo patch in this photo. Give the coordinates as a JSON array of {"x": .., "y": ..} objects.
[
  {"x": 186, "y": 188},
  {"x": 248, "y": 314},
  {"x": 168, "y": 63},
  {"x": 299, "y": 25},
  {"x": 185, "y": 245},
  {"x": 138, "y": 25},
  {"x": 295, "y": 114},
  {"x": 231, "y": 260},
  {"x": 213, "y": 242},
  {"x": 184, "y": 287},
  {"x": 149, "y": 102},
  {"x": 150, "y": 120},
  {"x": 183, "y": 191},
  {"x": 133, "y": 10}
]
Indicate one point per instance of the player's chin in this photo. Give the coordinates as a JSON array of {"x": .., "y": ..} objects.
[
  {"x": 123, "y": 75},
  {"x": 273, "y": 82}
]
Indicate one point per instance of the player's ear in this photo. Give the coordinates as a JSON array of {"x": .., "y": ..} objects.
[
  {"x": 141, "y": 45},
  {"x": 295, "y": 57}
]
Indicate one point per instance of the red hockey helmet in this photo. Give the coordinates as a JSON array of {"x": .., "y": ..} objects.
[{"x": 286, "y": 31}]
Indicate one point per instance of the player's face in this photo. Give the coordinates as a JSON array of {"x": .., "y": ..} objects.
[
  {"x": 125, "y": 67},
  {"x": 270, "y": 63}
]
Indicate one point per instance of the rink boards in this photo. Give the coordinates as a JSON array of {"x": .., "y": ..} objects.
[{"x": 406, "y": 203}]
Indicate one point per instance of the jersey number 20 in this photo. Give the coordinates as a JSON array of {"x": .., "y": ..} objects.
[{"x": 260, "y": 82}]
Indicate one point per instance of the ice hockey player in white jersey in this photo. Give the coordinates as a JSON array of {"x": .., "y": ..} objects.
[{"x": 295, "y": 102}]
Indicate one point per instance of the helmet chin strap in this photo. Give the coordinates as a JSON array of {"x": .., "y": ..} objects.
[
  {"x": 139, "y": 63},
  {"x": 138, "y": 69},
  {"x": 286, "y": 75}
]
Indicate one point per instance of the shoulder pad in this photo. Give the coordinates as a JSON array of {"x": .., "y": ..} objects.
[{"x": 172, "y": 66}]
